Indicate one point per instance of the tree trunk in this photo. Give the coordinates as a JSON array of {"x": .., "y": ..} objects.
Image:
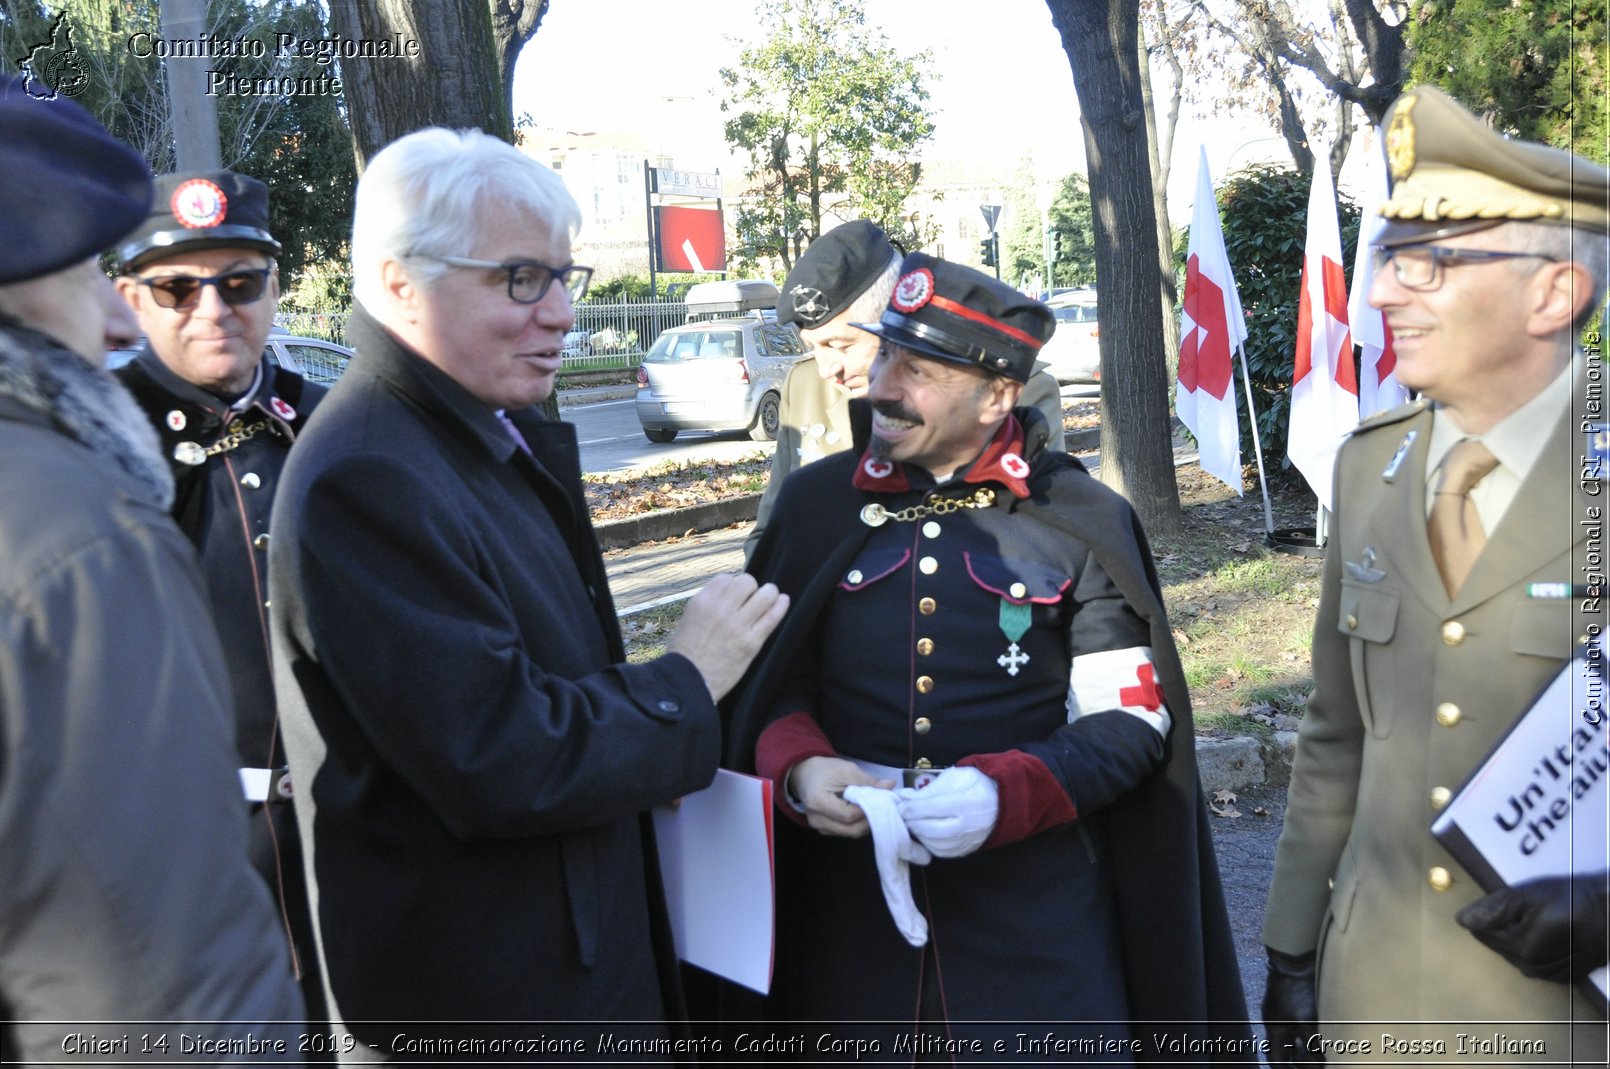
[
  {"x": 453, "y": 81},
  {"x": 1101, "y": 40},
  {"x": 514, "y": 22},
  {"x": 1158, "y": 153}
]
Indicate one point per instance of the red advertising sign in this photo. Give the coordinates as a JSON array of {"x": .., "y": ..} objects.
[{"x": 689, "y": 239}]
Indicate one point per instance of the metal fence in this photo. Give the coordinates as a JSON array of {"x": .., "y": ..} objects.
[{"x": 607, "y": 335}]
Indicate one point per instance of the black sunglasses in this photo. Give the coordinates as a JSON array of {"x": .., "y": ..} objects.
[{"x": 184, "y": 291}]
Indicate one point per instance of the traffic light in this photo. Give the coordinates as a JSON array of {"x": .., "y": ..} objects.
[
  {"x": 986, "y": 249},
  {"x": 1056, "y": 244}
]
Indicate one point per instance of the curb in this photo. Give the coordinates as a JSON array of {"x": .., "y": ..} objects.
[
  {"x": 1234, "y": 764},
  {"x": 669, "y": 523},
  {"x": 582, "y": 394}
]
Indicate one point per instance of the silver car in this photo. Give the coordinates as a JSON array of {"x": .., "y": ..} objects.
[
  {"x": 1074, "y": 352},
  {"x": 721, "y": 375},
  {"x": 314, "y": 359}
]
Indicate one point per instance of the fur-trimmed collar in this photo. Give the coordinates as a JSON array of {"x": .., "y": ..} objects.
[{"x": 87, "y": 404}]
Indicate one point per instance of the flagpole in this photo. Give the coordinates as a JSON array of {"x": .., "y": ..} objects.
[{"x": 1257, "y": 446}]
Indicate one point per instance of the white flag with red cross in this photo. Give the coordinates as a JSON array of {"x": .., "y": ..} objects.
[
  {"x": 1324, "y": 385},
  {"x": 1211, "y": 327},
  {"x": 1378, "y": 388}
]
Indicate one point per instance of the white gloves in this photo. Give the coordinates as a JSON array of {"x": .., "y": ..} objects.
[
  {"x": 896, "y": 852},
  {"x": 953, "y": 815},
  {"x": 950, "y": 817}
]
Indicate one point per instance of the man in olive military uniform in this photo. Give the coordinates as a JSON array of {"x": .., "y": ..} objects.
[
  {"x": 978, "y": 669},
  {"x": 845, "y": 278},
  {"x": 1430, "y": 639},
  {"x": 201, "y": 277}
]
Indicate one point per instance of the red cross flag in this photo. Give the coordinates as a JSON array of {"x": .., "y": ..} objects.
[
  {"x": 1378, "y": 388},
  {"x": 1324, "y": 386},
  {"x": 1211, "y": 327}
]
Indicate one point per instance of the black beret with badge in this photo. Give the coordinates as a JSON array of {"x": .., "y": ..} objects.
[
  {"x": 71, "y": 188},
  {"x": 963, "y": 316},
  {"x": 1453, "y": 174},
  {"x": 836, "y": 269},
  {"x": 201, "y": 210}
]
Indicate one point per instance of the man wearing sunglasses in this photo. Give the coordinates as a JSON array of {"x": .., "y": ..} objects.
[
  {"x": 1464, "y": 529},
  {"x": 201, "y": 278},
  {"x": 474, "y": 759}
]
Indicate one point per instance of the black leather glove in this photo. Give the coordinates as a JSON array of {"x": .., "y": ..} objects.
[
  {"x": 1549, "y": 929},
  {"x": 1291, "y": 1010}
]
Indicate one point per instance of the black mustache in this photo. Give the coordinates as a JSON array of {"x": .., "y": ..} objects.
[{"x": 894, "y": 410}]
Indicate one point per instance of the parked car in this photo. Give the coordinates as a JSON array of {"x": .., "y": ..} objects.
[
  {"x": 718, "y": 375},
  {"x": 314, "y": 359},
  {"x": 1074, "y": 353}
]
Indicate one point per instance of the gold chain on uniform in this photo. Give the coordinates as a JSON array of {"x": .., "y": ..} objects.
[
  {"x": 875, "y": 515},
  {"x": 238, "y": 434}
]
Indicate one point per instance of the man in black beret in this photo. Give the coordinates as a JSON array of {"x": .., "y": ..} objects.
[
  {"x": 200, "y": 274},
  {"x": 845, "y": 277},
  {"x": 125, "y": 892},
  {"x": 1465, "y": 523},
  {"x": 978, "y": 671}
]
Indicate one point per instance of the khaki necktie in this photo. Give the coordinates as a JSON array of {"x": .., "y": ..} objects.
[{"x": 1454, "y": 527}]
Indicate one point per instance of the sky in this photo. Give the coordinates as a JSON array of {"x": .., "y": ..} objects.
[{"x": 1004, "y": 86}]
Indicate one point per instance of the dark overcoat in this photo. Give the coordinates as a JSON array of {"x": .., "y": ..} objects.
[
  {"x": 1165, "y": 922},
  {"x": 473, "y": 757}
]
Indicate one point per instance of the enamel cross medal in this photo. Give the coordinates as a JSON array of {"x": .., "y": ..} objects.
[{"x": 1015, "y": 620}]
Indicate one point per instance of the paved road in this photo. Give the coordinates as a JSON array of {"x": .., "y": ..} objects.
[{"x": 612, "y": 439}]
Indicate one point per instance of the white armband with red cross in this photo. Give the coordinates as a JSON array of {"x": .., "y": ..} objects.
[{"x": 1117, "y": 680}]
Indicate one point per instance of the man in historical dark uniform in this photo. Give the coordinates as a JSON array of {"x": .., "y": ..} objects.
[
  {"x": 978, "y": 669},
  {"x": 201, "y": 277}
]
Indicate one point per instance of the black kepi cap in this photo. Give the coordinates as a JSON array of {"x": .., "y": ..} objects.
[
  {"x": 954, "y": 313},
  {"x": 201, "y": 210},
  {"x": 833, "y": 272},
  {"x": 71, "y": 188}
]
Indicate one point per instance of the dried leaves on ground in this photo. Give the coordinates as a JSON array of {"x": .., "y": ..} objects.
[{"x": 674, "y": 485}]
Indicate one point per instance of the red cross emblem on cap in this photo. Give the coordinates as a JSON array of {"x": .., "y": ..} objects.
[
  {"x": 198, "y": 204},
  {"x": 282, "y": 410},
  {"x": 913, "y": 291}
]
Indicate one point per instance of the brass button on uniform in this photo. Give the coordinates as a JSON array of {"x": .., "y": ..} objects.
[
  {"x": 250, "y": 480},
  {"x": 1352, "y": 622},
  {"x": 1448, "y": 714},
  {"x": 260, "y": 542},
  {"x": 1453, "y": 633},
  {"x": 923, "y": 725},
  {"x": 925, "y": 646},
  {"x": 927, "y": 606},
  {"x": 925, "y": 684},
  {"x": 1439, "y": 878},
  {"x": 923, "y": 762},
  {"x": 930, "y": 529},
  {"x": 1440, "y": 797},
  {"x": 928, "y": 566},
  {"x": 1017, "y": 590},
  {"x": 854, "y": 578}
]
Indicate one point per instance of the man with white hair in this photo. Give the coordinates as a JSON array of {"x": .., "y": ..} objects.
[{"x": 473, "y": 759}]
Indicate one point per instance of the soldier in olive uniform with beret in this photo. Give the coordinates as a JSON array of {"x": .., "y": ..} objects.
[
  {"x": 845, "y": 278},
  {"x": 201, "y": 277},
  {"x": 977, "y": 626},
  {"x": 1430, "y": 640}
]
